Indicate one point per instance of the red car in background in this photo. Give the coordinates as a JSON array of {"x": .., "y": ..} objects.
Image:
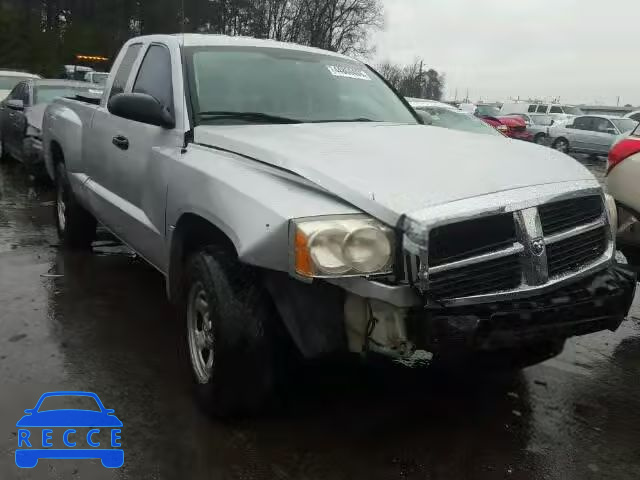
[{"x": 513, "y": 127}]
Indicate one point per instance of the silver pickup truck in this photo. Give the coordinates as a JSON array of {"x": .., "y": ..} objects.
[{"x": 291, "y": 198}]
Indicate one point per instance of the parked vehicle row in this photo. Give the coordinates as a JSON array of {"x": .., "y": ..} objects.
[
  {"x": 440, "y": 114},
  {"x": 293, "y": 201},
  {"x": 22, "y": 113},
  {"x": 536, "y": 124}
]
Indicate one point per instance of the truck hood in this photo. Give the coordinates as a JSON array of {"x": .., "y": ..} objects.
[{"x": 388, "y": 170}]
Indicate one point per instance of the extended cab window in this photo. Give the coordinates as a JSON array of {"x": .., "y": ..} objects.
[
  {"x": 555, "y": 109},
  {"x": 532, "y": 108},
  {"x": 154, "y": 77},
  {"x": 124, "y": 70},
  {"x": 232, "y": 84},
  {"x": 542, "y": 108}
]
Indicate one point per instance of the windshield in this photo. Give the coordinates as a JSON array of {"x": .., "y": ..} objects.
[
  {"x": 46, "y": 94},
  {"x": 289, "y": 84},
  {"x": 572, "y": 111},
  {"x": 625, "y": 124},
  {"x": 487, "y": 111},
  {"x": 456, "y": 120},
  {"x": 8, "y": 82}
]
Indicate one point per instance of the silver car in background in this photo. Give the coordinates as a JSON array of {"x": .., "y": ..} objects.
[{"x": 590, "y": 134}]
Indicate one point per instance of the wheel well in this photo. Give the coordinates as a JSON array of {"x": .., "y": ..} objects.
[{"x": 192, "y": 232}]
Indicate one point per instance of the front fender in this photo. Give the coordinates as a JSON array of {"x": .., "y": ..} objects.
[{"x": 249, "y": 202}]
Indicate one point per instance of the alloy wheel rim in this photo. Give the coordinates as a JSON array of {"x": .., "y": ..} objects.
[{"x": 200, "y": 333}]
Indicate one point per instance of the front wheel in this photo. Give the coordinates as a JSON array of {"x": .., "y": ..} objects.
[
  {"x": 230, "y": 320},
  {"x": 76, "y": 227},
  {"x": 562, "y": 145},
  {"x": 539, "y": 139}
]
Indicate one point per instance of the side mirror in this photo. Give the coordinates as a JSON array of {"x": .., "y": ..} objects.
[
  {"x": 29, "y": 411},
  {"x": 16, "y": 105},
  {"x": 552, "y": 122},
  {"x": 142, "y": 108},
  {"x": 611, "y": 131},
  {"x": 109, "y": 411}
]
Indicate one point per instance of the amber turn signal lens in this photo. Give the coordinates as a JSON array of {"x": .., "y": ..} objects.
[{"x": 304, "y": 265}]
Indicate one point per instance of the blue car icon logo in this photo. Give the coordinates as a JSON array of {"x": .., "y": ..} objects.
[{"x": 32, "y": 446}]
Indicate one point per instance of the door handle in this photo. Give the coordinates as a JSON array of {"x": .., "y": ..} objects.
[{"x": 121, "y": 142}]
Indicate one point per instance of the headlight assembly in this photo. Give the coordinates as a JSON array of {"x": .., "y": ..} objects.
[{"x": 339, "y": 246}]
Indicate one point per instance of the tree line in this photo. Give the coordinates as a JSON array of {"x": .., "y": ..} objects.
[
  {"x": 42, "y": 35},
  {"x": 414, "y": 80}
]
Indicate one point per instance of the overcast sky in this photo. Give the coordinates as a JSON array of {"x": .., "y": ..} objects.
[{"x": 580, "y": 50}]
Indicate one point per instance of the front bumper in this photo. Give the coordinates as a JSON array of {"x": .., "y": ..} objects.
[{"x": 596, "y": 303}]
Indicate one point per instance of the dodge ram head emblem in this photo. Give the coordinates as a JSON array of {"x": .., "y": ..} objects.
[{"x": 538, "y": 247}]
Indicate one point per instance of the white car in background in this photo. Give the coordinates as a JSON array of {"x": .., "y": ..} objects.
[
  {"x": 622, "y": 180},
  {"x": 635, "y": 115},
  {"x": 555, "y": 110},
  {"x": 440, "y": 114},
  {"x": 9, "y": 79}
]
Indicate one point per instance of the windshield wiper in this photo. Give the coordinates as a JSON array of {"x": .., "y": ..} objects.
[
  {"x": 256, "y": 117},
  {"x": 345, "y": 120}
]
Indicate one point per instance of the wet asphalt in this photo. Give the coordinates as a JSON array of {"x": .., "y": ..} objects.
[{"x": 99, "y": 322}]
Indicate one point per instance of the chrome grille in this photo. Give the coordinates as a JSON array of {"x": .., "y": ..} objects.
[
  {"x": 509, "y": 252},
  {"x": 567, "y": 255},
  {"x": 477, "y": 279},
  {"x": 457, "y": 241},
  {"x": 558, "y": 216}
]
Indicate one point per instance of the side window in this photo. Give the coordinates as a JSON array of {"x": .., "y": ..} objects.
[
  {"x": 582, "y": 123},
  {"x": 154, "y": 77},
  {"x": 602, "y": 125},
  {"x": 124, "y": 70},
  {"x": 556, "y": 109},
  {"x": 532, "y": 108},
  {"x": 542, "y": 108}
]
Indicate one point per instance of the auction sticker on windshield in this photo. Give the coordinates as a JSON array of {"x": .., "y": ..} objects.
[{"x": 348, "y": 72}]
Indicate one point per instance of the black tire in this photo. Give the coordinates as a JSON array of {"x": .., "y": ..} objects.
[
  {"x": 4, "y": 156},
  {"x": 241, "y": 336},
  {"x": 562, "y": 145},
  {"x": 78, "y": 230},
  {"x": 539, "y": 139}
]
